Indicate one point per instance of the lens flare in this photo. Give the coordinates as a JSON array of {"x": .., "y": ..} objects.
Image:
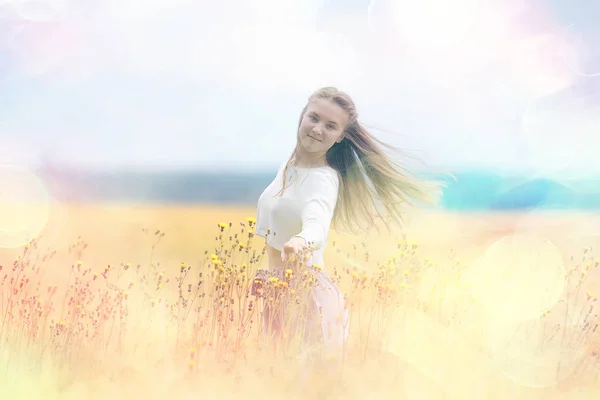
[
  {"x": 439, "y": 358},
  {"x": 520, "y": 276},
  {"x": 534, "y": 353},
  {"x": 559, "y": 129},
  {"x": 38, "y": 10},
  {"x": 584, "y": 38}
]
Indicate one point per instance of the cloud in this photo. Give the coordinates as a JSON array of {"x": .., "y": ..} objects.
[
  {"x": 35, "y": 10},
  {"x": 443, "y": 74},
  {"x": 276, "y": 45},
  {"x": 266, "y": 44},
  {"x": 467, "y": 41},
  {"x": 561, "y": 131}
]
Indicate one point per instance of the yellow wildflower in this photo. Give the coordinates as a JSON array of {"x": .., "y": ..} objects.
[{"x": 590, "y": 295}]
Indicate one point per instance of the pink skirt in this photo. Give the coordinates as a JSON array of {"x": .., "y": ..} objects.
[{"x": 321, "y": 314}]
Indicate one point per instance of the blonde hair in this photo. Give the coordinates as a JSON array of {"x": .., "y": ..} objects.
[{"x": 373, "y": 186}]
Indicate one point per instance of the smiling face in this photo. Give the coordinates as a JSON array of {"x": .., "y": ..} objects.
[{"x": 321, "y": 127}]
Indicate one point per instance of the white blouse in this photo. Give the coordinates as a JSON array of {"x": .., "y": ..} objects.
[{"x": 305, "y": 209}]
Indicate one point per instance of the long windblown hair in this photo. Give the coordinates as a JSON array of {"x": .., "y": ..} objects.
[{"x": 373, "y": 185}]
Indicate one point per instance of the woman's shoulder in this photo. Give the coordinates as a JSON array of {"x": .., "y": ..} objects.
[
  {"x": 319, "y": 179},
  {"x": 328, "y": 173}
]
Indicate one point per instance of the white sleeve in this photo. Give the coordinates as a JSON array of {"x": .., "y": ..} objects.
[{"x": 318, "y": 206}]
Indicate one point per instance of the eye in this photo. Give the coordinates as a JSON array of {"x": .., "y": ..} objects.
[
  {"x": 312, "y": 117},
  {"x": 330, "y": 126}
]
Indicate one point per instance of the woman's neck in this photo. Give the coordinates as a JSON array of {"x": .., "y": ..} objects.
[{"x": 302, "y": 160}]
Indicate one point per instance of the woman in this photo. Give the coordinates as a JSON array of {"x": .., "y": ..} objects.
[{"x": 338, "y": 175}]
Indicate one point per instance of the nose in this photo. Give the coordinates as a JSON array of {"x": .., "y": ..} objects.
[{"x": 316, "y": 130}]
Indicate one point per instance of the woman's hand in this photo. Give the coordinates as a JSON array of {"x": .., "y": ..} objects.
[{"x": 294, "y": 246}]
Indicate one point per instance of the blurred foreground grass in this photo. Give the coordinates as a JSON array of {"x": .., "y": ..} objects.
[{"x": 152, "y": 302}]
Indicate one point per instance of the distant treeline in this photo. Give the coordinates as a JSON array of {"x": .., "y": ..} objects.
[{"x": 473, "y": 190}]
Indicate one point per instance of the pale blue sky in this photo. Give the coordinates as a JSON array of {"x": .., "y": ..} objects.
[{"x": 188, "y": 83}]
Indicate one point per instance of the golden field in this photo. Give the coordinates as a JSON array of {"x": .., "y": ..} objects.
[{"x": 435, "y": 308}]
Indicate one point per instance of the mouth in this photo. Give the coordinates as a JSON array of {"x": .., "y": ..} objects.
[{"x": 315, "y": 139}]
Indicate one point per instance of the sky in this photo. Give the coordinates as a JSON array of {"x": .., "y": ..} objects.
[{"x": 509, "y": 85}]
